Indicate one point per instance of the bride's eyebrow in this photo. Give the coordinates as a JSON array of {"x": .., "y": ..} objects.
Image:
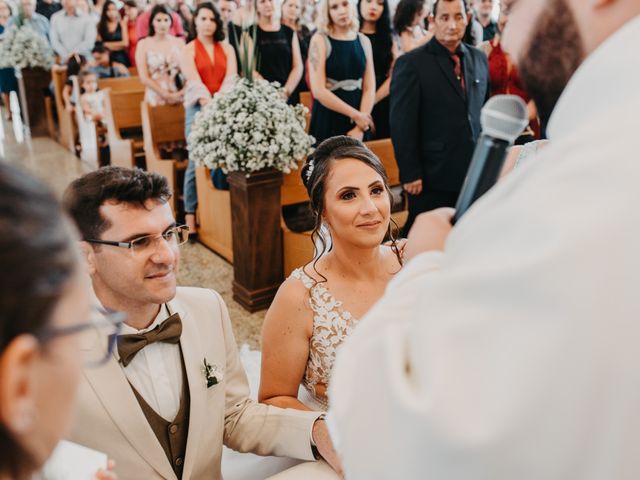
[{"x": 376, "y": 182}]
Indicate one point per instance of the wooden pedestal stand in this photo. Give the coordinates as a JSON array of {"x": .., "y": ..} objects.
[{"x": 257, "y": 237}]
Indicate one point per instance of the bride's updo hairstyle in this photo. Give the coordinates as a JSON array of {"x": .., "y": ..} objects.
[{"x": 314, "y": 176}]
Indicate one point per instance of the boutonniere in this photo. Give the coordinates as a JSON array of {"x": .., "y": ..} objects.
[{"x": 212, "y": 374}]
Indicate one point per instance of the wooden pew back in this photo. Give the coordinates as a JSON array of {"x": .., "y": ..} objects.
[
  {"x": 160, "y": 125},
  {"x": 66, "y": 124}
]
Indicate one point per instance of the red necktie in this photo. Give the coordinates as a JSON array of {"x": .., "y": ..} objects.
[{"x": 457, "y": 66}]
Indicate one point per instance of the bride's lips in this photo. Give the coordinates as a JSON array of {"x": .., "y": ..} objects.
[{"x": 373, "y": 224}]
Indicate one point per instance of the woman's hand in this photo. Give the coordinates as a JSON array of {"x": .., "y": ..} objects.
[
  {"x": 204, "y": 101},
  {"x": 363, "y": 121}
]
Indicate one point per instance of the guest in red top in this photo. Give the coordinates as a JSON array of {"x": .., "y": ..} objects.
[
  {"x": 142, "y": 22},
  {"x": 505, "y": 80},
  {"x": 209, "y": 66},
  {"x": 131, "y": 14}
]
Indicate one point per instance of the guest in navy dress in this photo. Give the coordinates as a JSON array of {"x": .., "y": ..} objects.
[{"x": 342, "y": 75}]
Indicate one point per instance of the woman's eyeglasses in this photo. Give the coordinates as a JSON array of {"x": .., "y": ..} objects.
[{"x": 98, "y": 336}]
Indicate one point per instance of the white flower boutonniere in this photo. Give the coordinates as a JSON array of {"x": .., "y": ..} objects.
[{"x": 212, "y": 373}]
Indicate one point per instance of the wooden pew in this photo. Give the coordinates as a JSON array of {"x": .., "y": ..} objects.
[
  {"x": 66, "y": 124},
  {"x": 214, "y": 215},
  {"x": 124, "y": 125},
  {"x": 121, "y": 106},
  {"x": 162, "y": 125},
  {"x": 298, "y": 248},
  {"x": 307, "y": 100}
]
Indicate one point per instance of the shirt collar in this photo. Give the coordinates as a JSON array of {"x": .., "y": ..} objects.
[
  {"x": 459, "y": 51},
  {"x": 605, "y": 79}
]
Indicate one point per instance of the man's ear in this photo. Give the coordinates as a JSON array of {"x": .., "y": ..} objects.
[
  {"x": 17, "y": 404},
  {"x": 89, "y": 256}
]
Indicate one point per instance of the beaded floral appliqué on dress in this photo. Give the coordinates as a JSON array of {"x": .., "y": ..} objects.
[{"x": 331, "y": 326}]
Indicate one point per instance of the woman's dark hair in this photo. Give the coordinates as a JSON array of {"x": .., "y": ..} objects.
[
  {"x": 103, "y": 29},
  {"x": 383, "y": 30},
  {"x": 84, "y": 197},
  {"x": 218, "y": 35},
  {"x": 38, "y": 258},
  {"x": 314, "y": 176},
  {"x": 405, "y": 13},
  {"x": 157, "y": 10},
  {"x": 469, "y": 33},
  {"x": 75, "y": 64}
]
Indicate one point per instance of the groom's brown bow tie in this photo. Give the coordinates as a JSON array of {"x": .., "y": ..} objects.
[{"x": 168, "y": 331}]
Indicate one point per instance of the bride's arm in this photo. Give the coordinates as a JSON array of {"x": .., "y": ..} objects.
[{"x": 286, "y": 331}]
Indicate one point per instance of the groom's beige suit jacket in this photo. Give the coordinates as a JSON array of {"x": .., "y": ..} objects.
[{"x": 110, "y": 419}]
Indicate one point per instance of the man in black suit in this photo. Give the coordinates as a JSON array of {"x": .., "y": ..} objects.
[{"x": 437, "y": 92}]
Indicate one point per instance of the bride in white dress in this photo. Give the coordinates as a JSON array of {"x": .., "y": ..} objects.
[{"x": 318, "y": 306}]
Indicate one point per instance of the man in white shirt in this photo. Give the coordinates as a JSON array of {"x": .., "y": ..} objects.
[
  {"x": 508, "y": 346},
  {"x": 174, "y": 390},
  {"x": 37, "y": 22},
  {"x": 72, "y": 32}
]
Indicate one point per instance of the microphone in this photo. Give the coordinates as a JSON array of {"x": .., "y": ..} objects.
[{"x": 503, "y": 119}]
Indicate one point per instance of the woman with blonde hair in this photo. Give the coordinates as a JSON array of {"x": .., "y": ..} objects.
[{"x": 342, "y": 77}]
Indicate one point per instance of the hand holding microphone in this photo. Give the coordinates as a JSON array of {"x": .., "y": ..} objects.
[{"x": 503, "y": 119}]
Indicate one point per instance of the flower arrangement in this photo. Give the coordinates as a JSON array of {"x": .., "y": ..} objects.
[
  {"x": 22, "y": 48},
  {"x": 250, "y": 128}
]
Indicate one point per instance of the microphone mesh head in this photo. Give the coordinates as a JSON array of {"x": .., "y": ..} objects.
[{"x": 504, "y": 117}]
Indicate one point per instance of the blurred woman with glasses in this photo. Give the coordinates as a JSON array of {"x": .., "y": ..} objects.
[{"x": 45, "y": 310}]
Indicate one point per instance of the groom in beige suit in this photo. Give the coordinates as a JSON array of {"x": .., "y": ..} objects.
[{"x": 174, "y": 390}]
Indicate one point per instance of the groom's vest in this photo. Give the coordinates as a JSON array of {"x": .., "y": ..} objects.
[{"x": 171, "y": 435}]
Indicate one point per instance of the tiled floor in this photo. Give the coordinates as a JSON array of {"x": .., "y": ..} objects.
[{"x": 200, "y": 267}]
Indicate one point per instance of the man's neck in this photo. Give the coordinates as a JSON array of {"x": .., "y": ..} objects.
[
  {"x": 139, "y": 315},
  {"x": 451, "y": 47},
  {"x": 70, "y": 12}
]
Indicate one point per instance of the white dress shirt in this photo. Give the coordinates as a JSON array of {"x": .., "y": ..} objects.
[
  {"x": 156, "y": 371},
  {"x": 72, "y": 34},
  {"x": 515, "y": 353}
]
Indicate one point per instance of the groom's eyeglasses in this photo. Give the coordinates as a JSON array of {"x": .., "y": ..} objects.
[
  {"x": 98, "y": 336},
  {"x": 174, "y": 236}
]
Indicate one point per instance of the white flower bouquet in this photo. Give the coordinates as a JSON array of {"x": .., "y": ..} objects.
[
  {"x": 248, "y": 129},
  {"x": 21, "y": 47}
]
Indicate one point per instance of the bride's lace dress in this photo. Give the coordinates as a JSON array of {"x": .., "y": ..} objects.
[{"x": 332, "y": 324}]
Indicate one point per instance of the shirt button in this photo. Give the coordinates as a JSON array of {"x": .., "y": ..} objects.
[
  {"x": 173, "y": 429},
  {"x": 179, "y": 461}
]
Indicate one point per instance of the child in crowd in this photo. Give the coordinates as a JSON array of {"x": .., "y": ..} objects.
[{"x": 91, "y": 100}]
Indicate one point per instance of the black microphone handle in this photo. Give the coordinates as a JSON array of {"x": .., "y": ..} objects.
[{"x": 484, "y": 170}]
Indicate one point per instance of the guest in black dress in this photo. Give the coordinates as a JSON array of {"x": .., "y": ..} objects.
[
  {"x": 375, "y": 23},
  {"x": 290, "y": 16},
  {"x": 113, "y": 32},
  {"x": 342, "y": 77},
  {"x": 278, "y": 50}
]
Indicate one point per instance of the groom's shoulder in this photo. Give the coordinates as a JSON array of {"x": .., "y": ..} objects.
[{"x": 196, "y": 298}]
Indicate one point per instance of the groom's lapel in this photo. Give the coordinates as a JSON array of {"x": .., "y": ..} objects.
[
  {"x": 193, "y": 354},
  {"x": 114, "y": 392}
]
